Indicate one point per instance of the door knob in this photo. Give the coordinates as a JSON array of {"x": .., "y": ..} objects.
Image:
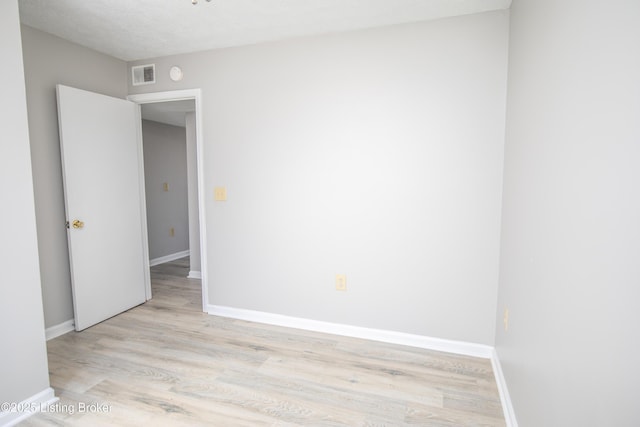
[{"x": 77, "y": 224}]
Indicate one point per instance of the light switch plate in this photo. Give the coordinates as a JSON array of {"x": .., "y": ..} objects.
[{"x": 220, "y": 194}]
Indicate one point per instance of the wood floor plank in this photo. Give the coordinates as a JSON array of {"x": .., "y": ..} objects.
[{"x": 167, "y": 363}]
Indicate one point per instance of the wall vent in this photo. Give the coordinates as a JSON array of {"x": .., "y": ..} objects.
[{"x": 143, "y": 74}]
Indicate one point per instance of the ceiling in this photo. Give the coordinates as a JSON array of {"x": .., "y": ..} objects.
[
  {"x": 171, "y": 113},
  {"x": 140, "y": 29}
]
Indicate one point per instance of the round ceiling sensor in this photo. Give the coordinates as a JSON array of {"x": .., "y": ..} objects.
[{"x": 175, "y": 73}]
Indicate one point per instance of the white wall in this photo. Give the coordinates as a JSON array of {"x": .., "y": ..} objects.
[
  {"x": 49, "y": 60},
  {"x": 570, "y": 269},
  {"x": 165, "y": 161},
  {"x": 377, "y": 154},
  {"x": 23, "y": 358}
]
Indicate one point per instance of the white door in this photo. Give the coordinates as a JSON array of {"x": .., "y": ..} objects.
[{"x": 104, "y": 201}]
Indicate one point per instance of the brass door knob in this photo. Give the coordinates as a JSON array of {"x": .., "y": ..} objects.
[{"x": 77, "y": 224}]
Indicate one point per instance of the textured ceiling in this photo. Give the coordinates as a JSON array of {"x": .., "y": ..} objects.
[{"x": 139, "y": 29}]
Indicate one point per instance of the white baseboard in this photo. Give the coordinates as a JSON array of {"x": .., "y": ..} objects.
[
  {"x": 450, "y": 346},
  {"x": 167, "y": 258},
  {"x": 194, "y": 275},
  {"x": 505, "y": 399},
  {"x": 60, "y": 329},
  {"x": 27, "y": 407}
]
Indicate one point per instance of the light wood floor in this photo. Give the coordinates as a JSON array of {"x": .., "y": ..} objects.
[{"x": 167, "y": 363}]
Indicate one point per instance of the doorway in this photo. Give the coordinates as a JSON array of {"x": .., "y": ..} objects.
[
  {"x": 170, "y": 177},
  {"x": 173, "y": 108}
]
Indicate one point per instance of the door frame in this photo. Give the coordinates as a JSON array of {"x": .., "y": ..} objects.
[{"x": 181, "y": 95}]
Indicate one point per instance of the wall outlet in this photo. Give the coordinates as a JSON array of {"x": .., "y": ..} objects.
[
  {"x": 505, "y": 319},
  {"x": 165, "y": 186},
  {"x": 341, "y": 282},
  {"x": 172, "y": 232}
]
